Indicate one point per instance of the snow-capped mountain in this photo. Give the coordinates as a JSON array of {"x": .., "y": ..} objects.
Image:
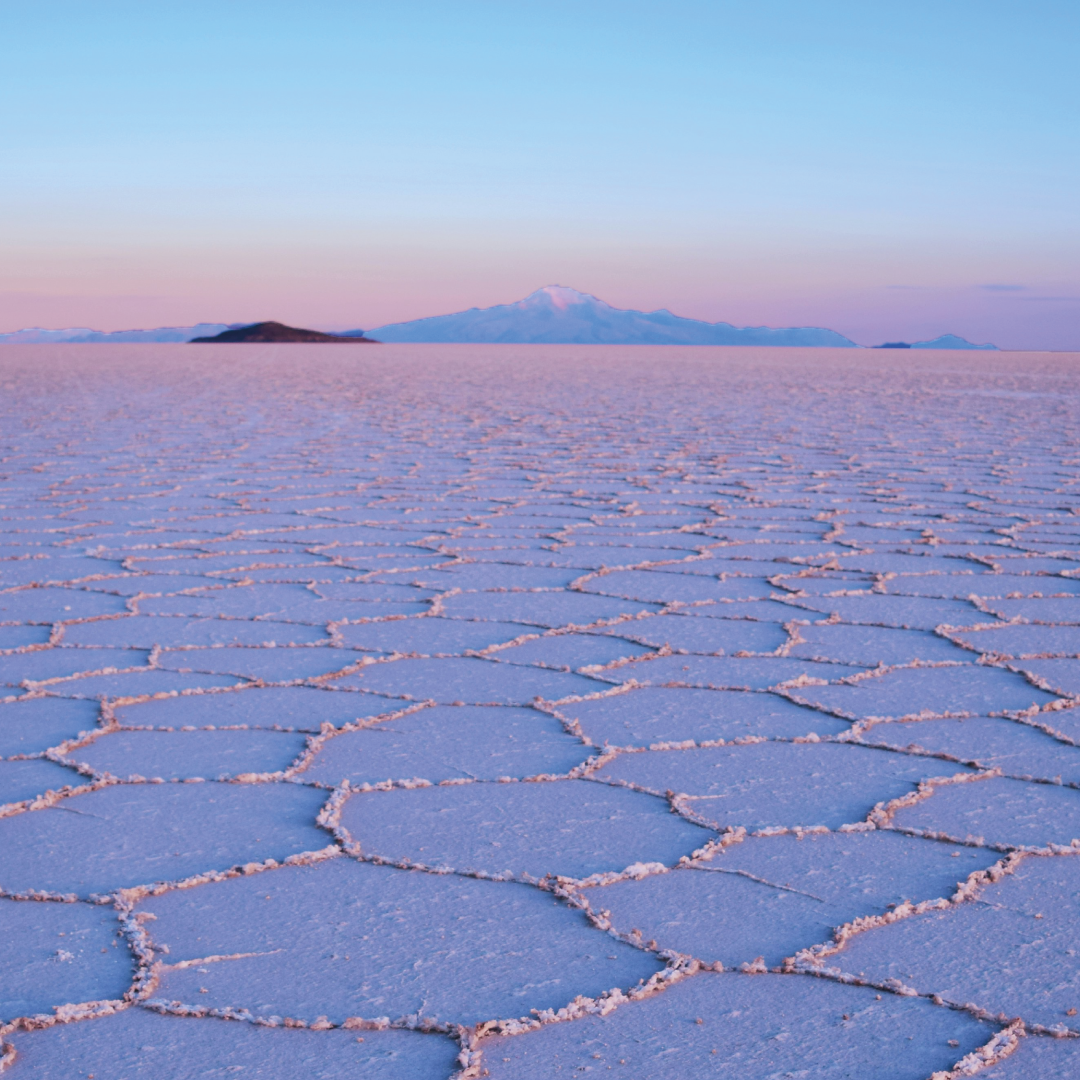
[
  {"x": 559, "y": 315},
  {"x": 74, "y": 335}
]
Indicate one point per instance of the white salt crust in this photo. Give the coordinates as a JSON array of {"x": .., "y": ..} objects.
[{"x": 516, "y": 712}]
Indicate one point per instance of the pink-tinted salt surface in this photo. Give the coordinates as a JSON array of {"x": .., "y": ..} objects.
[{"x": 803, "y": 621}]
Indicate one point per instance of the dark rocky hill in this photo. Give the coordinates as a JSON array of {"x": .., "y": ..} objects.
[{"x": 278, "y": 332}]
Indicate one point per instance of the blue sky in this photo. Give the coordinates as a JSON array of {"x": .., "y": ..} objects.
[{"x": 892, "y": 170}]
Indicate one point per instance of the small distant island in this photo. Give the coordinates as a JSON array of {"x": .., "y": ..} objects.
[
  {"x": 264, "y": 332},
  {"x": 945, "y": 341}
]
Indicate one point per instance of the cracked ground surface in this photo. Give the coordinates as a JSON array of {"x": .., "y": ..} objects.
[{"x": 524, "y": 712}]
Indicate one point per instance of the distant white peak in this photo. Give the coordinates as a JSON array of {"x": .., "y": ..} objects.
[{"x": 561, "y": 297}]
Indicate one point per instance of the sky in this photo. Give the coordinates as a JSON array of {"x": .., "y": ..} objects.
[{"x": 893, "y": 170}]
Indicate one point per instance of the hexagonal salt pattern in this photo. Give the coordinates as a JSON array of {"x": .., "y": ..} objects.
[{"x": 441, "y": 712}]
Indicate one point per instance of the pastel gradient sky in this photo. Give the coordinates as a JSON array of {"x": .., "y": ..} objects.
[{"x": 890, "y": 169}]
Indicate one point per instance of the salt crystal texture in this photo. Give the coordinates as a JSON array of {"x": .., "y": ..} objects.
[
  {"x": 650, "y": 715},
  {"x": 572, "y": 829},
  {"x": 471, "y": 680},
  {"x": 124, "y": 835},
  {"x": 180, "y": 755},
  {"x": 1041, "y": 1057},
  {"x": 23, "y": 780},
  {"x": 929, "y": 690},
  {"x": 350, "y": 939},
  {"x": 1025, "y": 965},
  {"x": 527, "y": 711},
  {"x": 726, "y": 673},
  {"x": 1000, "y": 811},
  {"x": 138, "y": 1042},
  {"x": 299, "y": 708},
  {"x": 684, "y": 633},
  {"x": 736, "y": 1026},
  {"x": 994, "y": 743},
  {"x": 772, "y": 896},
  {"x": 783, "y": 784},
  {"x": 266, "y": 664},
  {"x": 449, "y": 742},
  {"x": 32, "y": 725},
  {"x": 51, "y": 954}
]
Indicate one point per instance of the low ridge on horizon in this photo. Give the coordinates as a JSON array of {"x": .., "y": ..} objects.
[
  {"x": 553, "y": 314},
  {"x": 81, "y": 335}
]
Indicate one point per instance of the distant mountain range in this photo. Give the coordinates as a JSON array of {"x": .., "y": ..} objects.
[
  {"x": 77, "y": 335},
  {"x": 554, "y": 315}
]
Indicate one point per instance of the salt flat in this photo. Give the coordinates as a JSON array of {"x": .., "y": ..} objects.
[{"x": 431, "y": 711}]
